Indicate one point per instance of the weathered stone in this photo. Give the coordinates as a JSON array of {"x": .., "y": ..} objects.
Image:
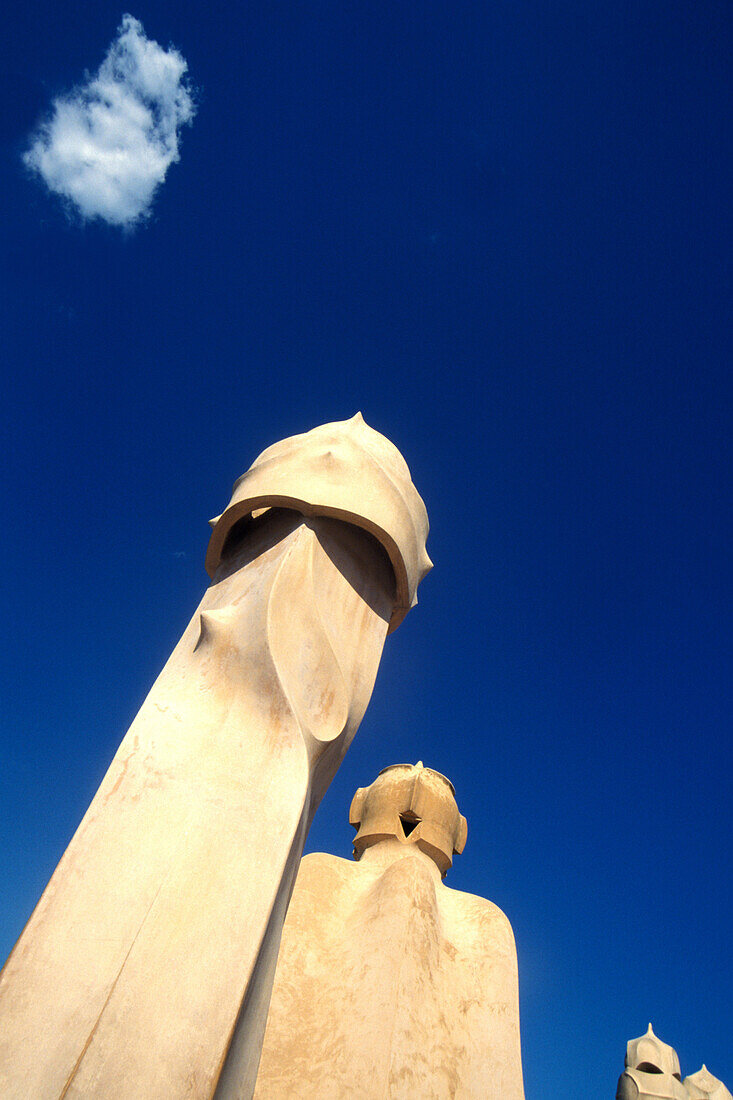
[
  {"x": 390, "y": 984},
  {"x": 146, "y": 967},
  {"x": 703, "y": 1085},
  {"x": 652, "y": 1071}
]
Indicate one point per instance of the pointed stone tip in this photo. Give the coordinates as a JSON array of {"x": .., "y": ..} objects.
[
  {"x": 650, "y": 1029},
  {"x": 213, "y": 522},
  {"x": 419, "y": 764},
  {"x": 214, "y": 624}
]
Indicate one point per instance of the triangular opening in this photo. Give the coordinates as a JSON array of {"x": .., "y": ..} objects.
[{"x": 408, "y": 822}]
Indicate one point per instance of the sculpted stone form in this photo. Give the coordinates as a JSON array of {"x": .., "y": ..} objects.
[
  {"x": 653, "y": 1070},
  {"x": 146, "y": 967},
  {"x": 410, "y": 803},
  {"x": 704, "y": 1086},
  {"x": 346, "y": 471},
  {"x": 390, "y": 984}
]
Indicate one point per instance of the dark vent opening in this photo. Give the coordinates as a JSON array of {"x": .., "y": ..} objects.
[{"x": 408, "y": 821}]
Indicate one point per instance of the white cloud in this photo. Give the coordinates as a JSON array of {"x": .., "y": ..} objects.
[{"x": 108, "y": 143}]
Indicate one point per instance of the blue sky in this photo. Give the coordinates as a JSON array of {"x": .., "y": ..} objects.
[{"x": 502, "y": 232}]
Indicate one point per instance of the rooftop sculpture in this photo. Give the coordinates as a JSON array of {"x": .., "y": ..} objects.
[
  {"x": 704, "y": 1086},
  {"x": 146, "y": 967},
  {"x": 389, "y": 983},
  {"x": 653, "y": 1070}
]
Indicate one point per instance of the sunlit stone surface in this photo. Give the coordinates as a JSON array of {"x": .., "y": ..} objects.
[
  {"x": 146, "y": 967},
  {"x": 703, "y": 1085},
  {"x": 653, "y": 1071},
  {"x": 390, "y": 984}
]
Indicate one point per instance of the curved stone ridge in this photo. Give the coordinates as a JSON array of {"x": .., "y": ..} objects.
[
  {"x": 703, "y": 1085},
  {"x": 414, "y": 805},
  {"x": 347, "y": 471},
  {"x": 649, "y": 1049},
  {"x": 653, "y": 1073}
]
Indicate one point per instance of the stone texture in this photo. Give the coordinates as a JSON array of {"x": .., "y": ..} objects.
[
  {"x": 390, "y": 984},
  {"x": 349, "y": 472},
  {"x": 704, "y": 1086},
  {"x": 146, "y": 967},
  {"x": 653, "y": 1070}
]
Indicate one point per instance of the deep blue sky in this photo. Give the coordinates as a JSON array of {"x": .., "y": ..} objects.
[{"x": 502, "y": 231}]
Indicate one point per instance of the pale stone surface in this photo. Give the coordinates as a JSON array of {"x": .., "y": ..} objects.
[
  {"x": 414, "y": 804},
  {"x": 704, "y": 1086},
  {"x": 635, "y": 1084},
  {"x": 346, "y": 471},
  {"x": 653, "y": 1071},
  {"x": 146, "y": 967},
  {"x": 390, "y": 984}
]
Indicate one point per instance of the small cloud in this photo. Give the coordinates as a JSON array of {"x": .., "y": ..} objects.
[{"x": 108, "y": 143}]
